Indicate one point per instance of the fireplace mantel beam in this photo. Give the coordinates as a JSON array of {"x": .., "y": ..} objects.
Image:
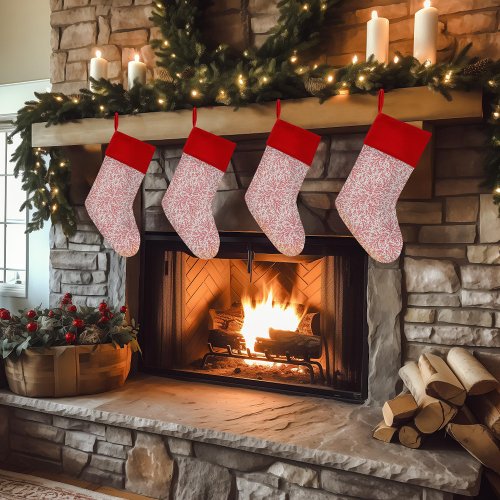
[{"x": 344, "y": 111}]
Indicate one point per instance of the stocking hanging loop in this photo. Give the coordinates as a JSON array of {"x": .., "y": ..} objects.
[
  {"x": 380, "y": 100},
  {"x": 116, "y": 122},
  {"x": 195, "y": 116},
  {"x": 278, "y": 108}
]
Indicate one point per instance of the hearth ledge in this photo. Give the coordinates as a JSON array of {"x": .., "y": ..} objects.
[{"x": 323, "y": 432}]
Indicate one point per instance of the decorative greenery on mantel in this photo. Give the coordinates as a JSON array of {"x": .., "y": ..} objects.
[{"x": 191, "y": 74}]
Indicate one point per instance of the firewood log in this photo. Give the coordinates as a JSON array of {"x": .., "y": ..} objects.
[
  {"x": 281, "y": 342},
  {"x": 440, "y": 382},
  {"x": 432, "y": 414},
  {"x": 486, "y": 408},
  {"x": 399, "y": 409},
  {"x": 473, "y": 375},
  {"x": 464, "y": 417},
  {"x": 478, "y": 440},
  {"x": 220, "y": 338},
  {"x": 410, "y": 436},
  {"x": 384, "y": 432}
]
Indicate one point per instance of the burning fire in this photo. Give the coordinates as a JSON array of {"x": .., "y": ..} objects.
[{"x": 264, "y": 315}]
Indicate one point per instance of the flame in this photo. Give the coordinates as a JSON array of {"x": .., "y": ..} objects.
[
  {"x": 260, "y": 317},
  {"x": 427, "y": 4},
  {"x": 136, "y": 57},
  {"x": 98, "y": 53},
  {"x": 374, "y": 14}
]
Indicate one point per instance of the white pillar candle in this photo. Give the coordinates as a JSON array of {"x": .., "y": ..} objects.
[
  {"x": 377, "y": 38},
  {"x": 136, "y": 71},
  {"x": 98, "y": 67},
  {"x": 425, "y": 34}
]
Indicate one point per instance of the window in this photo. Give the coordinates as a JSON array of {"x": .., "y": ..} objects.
[{"x": 13, "y": 240}]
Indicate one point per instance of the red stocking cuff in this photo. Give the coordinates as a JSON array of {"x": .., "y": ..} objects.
[
  {"x": 209, "y": 148},
  {"x": 398, "y": 139},
  {"x": 130, "y": 151},
  {"x": 294, "y": 141}
]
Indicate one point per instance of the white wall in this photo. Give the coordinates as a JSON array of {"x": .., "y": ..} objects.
[{"x": 24, "y": 40}]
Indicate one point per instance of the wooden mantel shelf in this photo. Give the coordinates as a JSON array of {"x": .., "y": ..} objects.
[{"x": 410, "y": 105}]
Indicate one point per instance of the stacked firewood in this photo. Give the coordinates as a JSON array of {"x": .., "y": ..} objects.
[{"x": 459, "y": 396}]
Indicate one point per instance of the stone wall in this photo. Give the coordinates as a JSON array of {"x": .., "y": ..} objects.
[
  {"x": 121, "y": 27},
  {"x": 172, "y": 468}
]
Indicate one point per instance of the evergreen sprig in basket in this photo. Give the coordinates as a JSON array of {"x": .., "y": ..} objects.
[{"x": 66, "y": 351}]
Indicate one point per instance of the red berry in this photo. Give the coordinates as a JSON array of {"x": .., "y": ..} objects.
[
  {"x": 32, "y": 326},
  {"x": 68, "y": 296},
  {"x": 4, "y": 314},
  {"x": 72, "y": 308},
  {"x": 123, "y": 309},
  {"x": 70, "y": 338},
  {"x": 31, "y": 314},
  {"x": 103, "y": 307},
  {"x": 65, "y": 301},
  {"x": 51, "y": 314},
  {"x": 110, "y": 315},
  {"x": 104, "y": 319},
  {"x": 78, "y": 323}
]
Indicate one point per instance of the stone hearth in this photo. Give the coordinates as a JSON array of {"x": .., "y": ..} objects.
[{"x": 156, "y": 436}]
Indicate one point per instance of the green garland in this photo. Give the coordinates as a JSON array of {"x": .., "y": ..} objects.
[{"x": 194, "y": 74}]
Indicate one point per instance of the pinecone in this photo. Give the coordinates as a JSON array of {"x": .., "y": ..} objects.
[
  {"x": 91, "y": 335},
  {"x": 12, "y": 331},
  {"x": 163, "y": 74},
  {"x": 187, "y": 73},
  {"x": 477, "y": 68},
  {"x": 315, "y": 85}
]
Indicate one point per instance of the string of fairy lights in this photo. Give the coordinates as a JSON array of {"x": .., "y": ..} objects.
[{"x": 190, "y": 73}]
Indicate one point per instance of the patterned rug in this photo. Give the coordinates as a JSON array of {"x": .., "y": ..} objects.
[{"x": 14, "y": 486}]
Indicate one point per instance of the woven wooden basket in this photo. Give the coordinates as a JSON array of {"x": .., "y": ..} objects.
[{"x": 68, "y": 370}]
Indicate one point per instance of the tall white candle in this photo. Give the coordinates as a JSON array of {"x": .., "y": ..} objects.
[
  {"x": 136, "y": 72},
  {"x": 377, "y": 38},
  {"x": 98, "y": 67},
  {"x": 425, "y": 34}
]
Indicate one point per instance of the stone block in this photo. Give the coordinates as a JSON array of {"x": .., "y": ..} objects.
[
  {"x": 447, "y": 234},
  {"x": 462, "y": 209},
  {"x": 180, "y": 446},
  {"x": 102, "y": 261},
  {"x": 85, "y": 289},
  {"x": 497, "y": 319},
  {"x": 74, "y": 461},
  {"x": 122, "y": 3},
  {"x": 80, "y": 440},
  {"x": 471, "y": 136},
  {"x": 84, "y": 248},
  {"x": 489, "y": 300},
  {"x": 89, "y": 238},
  {"x": 483, "y": 44},
  {"x": 322, "y": 201},
  {"x": 57, "y": 237},
  {"x": 457, "y": 187},
  {"x": 56, "y": 5},
  {"x": 430, "y": 275},
  {"x": 483, "y": 254},
  {"x": 37, "y": 430},
  {"x": 149, "y": 469},
  {"x": 76, "y": 71},
  {"x": 4, "y": 433},
  {"x": 453, "y": 6},
  {"x": 118, "y": 435},
  {"x": 475, "y": 277},
  {"x": 341, "y": 163},
  {"x": 127, "y": 18},
  {"x": 36, "y": 447},
  {"x": 261, "y": 477},
  {"x": 114, "y": 69},
  {"x": 55, "y": 281},
  {"x": 132, "y": 38},
  {"x": 249, "y": 490},
  {"x": 264, "y": 23},
  {"x": 433, "y": 299},
  {"x": 465, "y": 317},
  {"x": 231, "y": 458},
  {"x": 73, "y": 16},
  {"x": 414, "y": 212},
  {"x": 82, "y": 54},
  {"x": 79, "y": 425},
  {"x": 434, "y": 251},
  {"x": 99, "y": 277},
  {"x": 489, "y": 222},
  {"x": 198, "y": 479},
  {"x": 320, "y": 158},
  {"x": 409, "y": 233},
  {"x": 453, "y": 335},
  {"x": 419, "y": 315},
  {"x": 30, "y": 462},
  {"x": 107, "y": 463},
  {"x": 392, "y": 11},
  {"x": 153, "y": 198},
  {"x": 57, "y": 66},
  {"x": 33, "y": 416},
  {"x": 347, "y": 142},
  {"x": 103, "y": 31},
  {"x": 54, "y": 39},
  {"x": 478, "y": 22},
  {"x": 105, "y": 478},
  {"x": 155, "y": 182},
  {"x": 463, "y": 162},
  {"x": 111, "y": 450},
  {"x": 347, "y": 41},
  {"x": 70, "y": 88},
  {"x": 401, "y": 30},
  {"x": 79, "y": 35},
  {"x": 303, "y": 476}
]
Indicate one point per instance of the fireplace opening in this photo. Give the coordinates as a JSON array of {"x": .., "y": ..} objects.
[{"x": 254, "y": 317}]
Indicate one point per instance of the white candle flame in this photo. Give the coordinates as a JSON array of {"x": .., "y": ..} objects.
[
  {"x": 136, "y": 57},
  {"x": 427, "y": 4},
  {"x": 98, "y": 54},
  {"x": 374, "y": 14}
]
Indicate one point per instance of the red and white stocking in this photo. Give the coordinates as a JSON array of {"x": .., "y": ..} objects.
[
  {"x": 188, "y": 200},
  {"x": 109, "y": 203},
  {"x": 272, "y": 194},
  {"x": 367, "y": 201}
]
